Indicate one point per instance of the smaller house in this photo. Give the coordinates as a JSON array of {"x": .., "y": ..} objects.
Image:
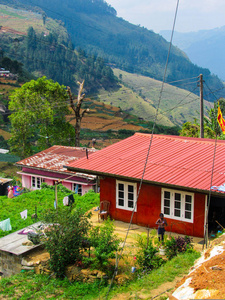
[
  {"x": 182, "y": 178},
  {"x": 48, "y": 166}
]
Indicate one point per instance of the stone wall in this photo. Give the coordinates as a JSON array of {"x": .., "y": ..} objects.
[{"x": 10, "y": 264}]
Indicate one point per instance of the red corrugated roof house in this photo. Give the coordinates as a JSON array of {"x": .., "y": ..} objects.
[
  {"x": 48, "y": 166},
  {"x": 177, "y": 180}
]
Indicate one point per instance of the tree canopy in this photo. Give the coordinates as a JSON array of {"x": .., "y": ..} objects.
[{"x": 38, "y": 116}]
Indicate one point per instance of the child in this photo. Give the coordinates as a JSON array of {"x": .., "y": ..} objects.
[{"x": 161, "y": 222}]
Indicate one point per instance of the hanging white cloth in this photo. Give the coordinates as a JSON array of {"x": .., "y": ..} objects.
[
  {"x": 24, "y": 214},
  {"x": 66, "y": 201}
]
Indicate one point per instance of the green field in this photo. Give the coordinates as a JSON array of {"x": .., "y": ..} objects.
[{"x": 139, "y": 95}]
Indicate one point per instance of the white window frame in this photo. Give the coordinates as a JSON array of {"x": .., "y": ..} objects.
[
  {"x": 36, "y": 182},
  {"x": 80, "y": 188},
  {"x": 178, "y": 206},
  {"x": 125, "y": 205}
]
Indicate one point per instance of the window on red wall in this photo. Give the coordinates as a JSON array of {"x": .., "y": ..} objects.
[
  {"x": 178, "y": 205},
  {"x": 126, "y": 194}
]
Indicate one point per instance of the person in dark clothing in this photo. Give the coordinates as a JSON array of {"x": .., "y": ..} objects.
[{"x": 161, "y": 222}]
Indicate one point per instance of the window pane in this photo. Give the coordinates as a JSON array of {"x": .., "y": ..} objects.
[
  {"x": 188, "y": 206},
  {"x": 167, "y": 203},
  {"x": 33, "y": 181},
  {"x": 177, "y": 204},
  {"x": 187, "y": 215},
  {"x": 130, "y": 188},
  {"x": 130, "y": 204},
  {"x": 121, "y": 186},
  {"x": 167, "y": 195},
  {"x": 121, "y": 194},
  {"x": 177, "y": 196},
  {"x": 188, "y": 198},
  {"x": 177, "y": 213},
  {"x": 166, "y": 210},
  {"x": 38, "y": 182},
  {"x": 79, "y": 189},
  {"x": 130, "y": 196},
  {"x": 121, "y": 202}
]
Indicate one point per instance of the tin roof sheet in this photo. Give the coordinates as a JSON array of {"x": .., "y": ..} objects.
[
  {"x": 173, "y": 160},
  {"x": 55, "y": 158}
]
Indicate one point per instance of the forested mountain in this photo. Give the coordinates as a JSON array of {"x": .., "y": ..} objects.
[
  {"x": 94, "y": 26},
  {"x": 204, "y": 47},
  {"x": 48, "y": 50}
]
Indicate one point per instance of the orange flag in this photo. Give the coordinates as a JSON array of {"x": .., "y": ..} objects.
[{"x": 221, "y": 120}]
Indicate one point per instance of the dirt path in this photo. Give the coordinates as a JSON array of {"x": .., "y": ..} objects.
[{"x": 156, "y": 293}]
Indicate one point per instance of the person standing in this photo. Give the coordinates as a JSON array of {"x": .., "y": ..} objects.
[{"x": 161, "y": 222}]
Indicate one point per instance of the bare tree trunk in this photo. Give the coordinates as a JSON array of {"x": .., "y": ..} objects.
[{"x": 77, "y": 110}]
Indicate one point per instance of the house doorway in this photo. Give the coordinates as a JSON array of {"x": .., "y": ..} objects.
[{"x": 216, "y": 217}]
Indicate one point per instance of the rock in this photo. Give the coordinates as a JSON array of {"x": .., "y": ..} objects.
[
  {"x": 27, "y": 243},
  {"x": 27, "y": 263},
  {"x": 121, "y": 279},
  {"x": 27, "y": 268},
  {"x": 72, "y": 272}
]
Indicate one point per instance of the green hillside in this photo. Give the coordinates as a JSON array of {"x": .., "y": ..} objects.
[
  {"x": 45, "y": 48},
  {"x": 139, "y": 95},
  {"x": 94, "y": 26}
]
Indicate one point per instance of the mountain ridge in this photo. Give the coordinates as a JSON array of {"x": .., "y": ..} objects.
[
  {"x": 129, "y": 47},
  {"x": 203, "y": 47}
]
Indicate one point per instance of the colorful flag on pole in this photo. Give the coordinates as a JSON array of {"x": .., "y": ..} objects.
[{"x": 221, "y": 120}]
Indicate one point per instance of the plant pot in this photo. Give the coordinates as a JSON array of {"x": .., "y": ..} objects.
[{"x": 162, "y": 251}]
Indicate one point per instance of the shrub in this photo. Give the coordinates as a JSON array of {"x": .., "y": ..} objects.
[
  {"x": 105, "y": 243},
  {"x": 146, "y": 256},
  {"x": 64, "y": 237},
  {"x": 177, "y": 245}
]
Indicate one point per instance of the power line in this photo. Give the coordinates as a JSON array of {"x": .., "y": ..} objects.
[{"x": 150, "y": 144}]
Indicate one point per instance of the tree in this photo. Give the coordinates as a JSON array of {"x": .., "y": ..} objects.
[
  {"x": 64, "y": 238},
  {"x": 189, "y": 129},
  {"x": 77, "y": 110},
  {"x": 38, "y": 114},
  {"x": 211, "y": 120},
  {"x": 193, "y": 130}
]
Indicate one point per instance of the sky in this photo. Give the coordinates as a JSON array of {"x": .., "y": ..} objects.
[{"x": 156, "y": 15}]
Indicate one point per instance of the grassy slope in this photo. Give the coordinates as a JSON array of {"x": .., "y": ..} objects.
[
  {"x": 21, "y": 20},
  {"x": 142, "y": 93},
  {"x": 39, "y": 200},
  {"x": 130, "y": 101}
]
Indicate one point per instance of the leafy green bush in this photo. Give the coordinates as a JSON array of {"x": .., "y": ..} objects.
[
  {"x": 177, "y": 245},
  {"x": 64, "y": 236},
  {"x": 146, "y": 255},
  {"x": 105, "y": 243}
]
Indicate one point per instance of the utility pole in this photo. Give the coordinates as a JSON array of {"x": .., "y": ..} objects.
[{"x": 201, "y": 107}]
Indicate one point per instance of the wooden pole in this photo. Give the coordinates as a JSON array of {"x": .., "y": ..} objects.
[{"x": 56, "y": 200}]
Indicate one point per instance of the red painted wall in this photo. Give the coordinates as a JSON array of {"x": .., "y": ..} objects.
[{"x": 149, "y": 208}]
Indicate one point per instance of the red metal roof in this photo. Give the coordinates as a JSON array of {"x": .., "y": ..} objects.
[
  {"x": 173, "y": 160},
  {"x": 54, "y": 158}
]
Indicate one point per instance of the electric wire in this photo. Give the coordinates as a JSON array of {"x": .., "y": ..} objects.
[
  {"x": 209, "y": 197},
  {"x": 149, "y": 147}
]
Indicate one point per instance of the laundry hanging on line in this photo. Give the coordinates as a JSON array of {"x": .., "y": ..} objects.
[
  {"x": 24, "y": 214},
  {"x": 5, "y": 225},
  {"x": 68, "y": 200}
]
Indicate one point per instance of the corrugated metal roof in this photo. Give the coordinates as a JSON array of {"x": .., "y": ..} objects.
[
  {"x": 173, "y": 160},
  {"x": 55, "y": 157}
]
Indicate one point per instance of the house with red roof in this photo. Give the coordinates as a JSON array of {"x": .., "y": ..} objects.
[
  {"x": 48, "y": 166},
  {"x": 181, "y": 177}
]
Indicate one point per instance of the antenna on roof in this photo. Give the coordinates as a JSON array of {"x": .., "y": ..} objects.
[{"x": 87, "y": 153}]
